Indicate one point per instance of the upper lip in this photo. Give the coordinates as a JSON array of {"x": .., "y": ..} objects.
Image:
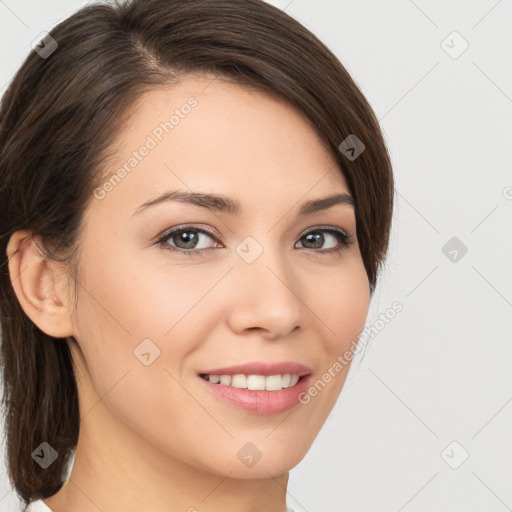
[{"x": 261, "y": 368}]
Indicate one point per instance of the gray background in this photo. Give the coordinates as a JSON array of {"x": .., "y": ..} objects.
[{"x": 439, "y": 372}]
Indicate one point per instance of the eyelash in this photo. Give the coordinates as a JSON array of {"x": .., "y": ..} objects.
[{"x": 344, "y": 239}]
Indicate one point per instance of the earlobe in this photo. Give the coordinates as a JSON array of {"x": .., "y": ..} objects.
[{"x": 33, "y": 281}]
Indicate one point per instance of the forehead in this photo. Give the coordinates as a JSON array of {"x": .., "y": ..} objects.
[{"x": 210, "y": 135}]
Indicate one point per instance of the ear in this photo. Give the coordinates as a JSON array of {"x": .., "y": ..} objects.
[{"x": 40, "y": 293}]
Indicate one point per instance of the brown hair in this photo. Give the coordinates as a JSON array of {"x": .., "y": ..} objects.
[{"x": 58, "y": 119}]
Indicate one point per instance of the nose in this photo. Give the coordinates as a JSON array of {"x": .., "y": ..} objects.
[{"x": 266, "y": 297}]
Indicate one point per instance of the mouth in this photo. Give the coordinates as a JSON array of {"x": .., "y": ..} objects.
[{"x": 263, "y": 395}]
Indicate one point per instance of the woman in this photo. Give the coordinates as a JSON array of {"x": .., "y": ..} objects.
[{"x": 195, "y": 204}]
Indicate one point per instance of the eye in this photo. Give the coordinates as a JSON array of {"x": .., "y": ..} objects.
[
  {"x": 187, "y": 240},
  {"x": 317, "y": 239}
]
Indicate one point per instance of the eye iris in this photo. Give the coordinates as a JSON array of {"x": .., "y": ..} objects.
[
  {"x": 188, "y": 237},
  {"x": 317, "y": 238}
]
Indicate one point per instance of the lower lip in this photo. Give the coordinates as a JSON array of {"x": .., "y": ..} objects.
[{"x": 260, "y": 402}]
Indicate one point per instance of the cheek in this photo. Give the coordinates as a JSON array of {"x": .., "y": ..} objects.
[
  {"x": 128, "y": 308},
  {"x": 148, "y": 399},
  {"x": 114, "y": 321},
  {"x": 341, "y": 304},
  {"x": 139, "y": 298}
]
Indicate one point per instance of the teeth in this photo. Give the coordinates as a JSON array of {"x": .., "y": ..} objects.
[
  {"x": 255, "y": 382},
  {"x": 225, "y": 379},
  {"x": 239, "y": 381},
  {"x": 286, "y": 380}
]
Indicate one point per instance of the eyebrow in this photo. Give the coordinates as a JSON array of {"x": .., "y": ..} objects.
[{"x": 225, "y": 204}]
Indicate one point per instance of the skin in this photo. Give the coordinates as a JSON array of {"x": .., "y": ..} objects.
[{"x": 151, "y": 436}]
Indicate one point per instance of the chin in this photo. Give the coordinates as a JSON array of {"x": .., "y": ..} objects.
[
  {"x": 269, "y": 461},
  {"x": 259, "y": 470}
]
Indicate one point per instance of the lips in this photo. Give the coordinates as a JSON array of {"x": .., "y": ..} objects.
[
  {"x": 261, "y": 368},
  {"x": 262, "y": 402},
  {"x": 259, "y": 387}
]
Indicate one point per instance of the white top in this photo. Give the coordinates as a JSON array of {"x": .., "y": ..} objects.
[{"x": 40, "y": 506}]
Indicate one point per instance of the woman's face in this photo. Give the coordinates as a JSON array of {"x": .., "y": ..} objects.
[{"x": 251, "y": 288}]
